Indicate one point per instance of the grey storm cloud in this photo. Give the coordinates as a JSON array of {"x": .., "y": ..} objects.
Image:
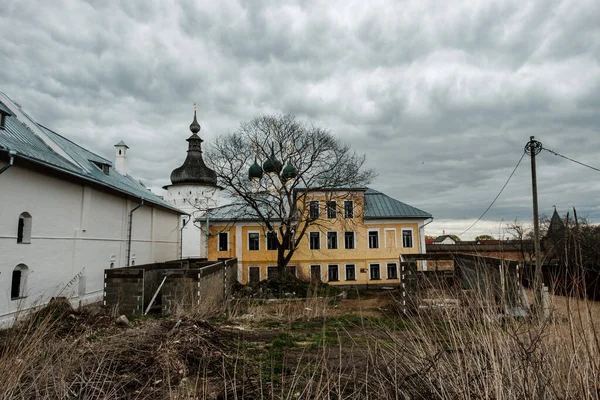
[{"x": 440, "y": 96}]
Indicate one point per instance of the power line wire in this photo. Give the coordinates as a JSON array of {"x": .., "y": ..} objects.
[
  {"x": 498, "y": 195},
  {"x": 570, "y": 159}
]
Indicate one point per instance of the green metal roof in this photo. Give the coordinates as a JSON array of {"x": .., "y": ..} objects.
[
  {"x": 377, "y": 206},
  {"x": 380, "y": 206},
  {"x": 38, "y": 144}
]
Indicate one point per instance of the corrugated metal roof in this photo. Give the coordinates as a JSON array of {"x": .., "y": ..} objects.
[
  {"x": 19, "y": 136},
  {"x": 379, "y": 206}
]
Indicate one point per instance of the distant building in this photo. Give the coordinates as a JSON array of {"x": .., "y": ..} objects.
[
  {"x": 444, "y": 239},
  {"x": 67, "y": 215}
]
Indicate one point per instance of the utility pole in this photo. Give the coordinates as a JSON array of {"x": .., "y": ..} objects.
[{"x": 533, "y": 148}]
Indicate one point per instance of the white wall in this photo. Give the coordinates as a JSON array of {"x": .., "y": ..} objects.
[{"x": 76, "y": 232}]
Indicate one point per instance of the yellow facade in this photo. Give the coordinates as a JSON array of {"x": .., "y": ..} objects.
[{"x": 375, "y": 261}]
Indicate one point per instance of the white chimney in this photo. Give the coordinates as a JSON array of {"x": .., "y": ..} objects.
[{"x": 121, "y": 158}]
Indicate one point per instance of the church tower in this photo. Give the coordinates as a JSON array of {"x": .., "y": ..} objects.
[{"x": 194, "y": 190}]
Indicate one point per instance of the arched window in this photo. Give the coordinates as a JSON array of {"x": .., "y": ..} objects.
[
  {"x": 19, "y": 277},
  {"x": 112, "y": 261},
  {"x": 24, "y": 228}
]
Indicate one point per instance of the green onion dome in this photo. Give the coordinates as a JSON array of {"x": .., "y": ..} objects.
[
  {"x": 272, "y": 165},
  {"x": 289, "y": 172},
  {"x": 255, "y": 171}
]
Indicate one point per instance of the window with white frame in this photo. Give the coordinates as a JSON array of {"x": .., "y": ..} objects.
[
  {"x": 332, "y": 240},
  {"x": 314, "y": 239},
  {"x": 331, "y": 209},
  {"x": 349, "y": 240},
  {"x": 273, "y": 272},
  {"x": 373, "y": 239},
  {"x": 333, "y": 273},
  {"x": 375, "y": 271},
  {"x": 392, "y": 271},
  {"x": 253, "y": 274},
  {"x": 313, "y": 209},
  {"x": 223, "y": 241},
  {"x": 407, "y": 238},
  {"x": 253, "y": 241},
  {"x": 272, "y": 240},
  {"x": 348, "y": 209},
  {"x": 350, "y": 272}
]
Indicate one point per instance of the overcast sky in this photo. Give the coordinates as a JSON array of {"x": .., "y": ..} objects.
[{"x": 442, "y": 96}]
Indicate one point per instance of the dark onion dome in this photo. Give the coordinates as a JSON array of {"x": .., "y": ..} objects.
[
  {"x": 289, "y": 172},
  {"x": 193, "y": 170},
  {"x": 255, "y": 171},
  {"x": 272, "y": 164}
]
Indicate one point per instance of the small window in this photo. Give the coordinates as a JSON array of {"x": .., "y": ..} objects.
[
  {"x": 333, "y": 273},
  {"x": 350, "y": 272},
  {"x": 392, "y": 271},
  {"x": 272, "y": 272},
  {"x": 272, "y": 241},
  {"x": 315, "y": 273},
  {"x": 24, "y": 228},
  {"x": 112, "y": 265},
  {"x": 291, "y": 270},
  {"x": 253, "y": 241},
  {"x": 375, "y": 272},
  {"x": 332, "y": 240},
  {"x": 331, "y": 209},
  {"x": 223, "y": 241},
  {"x": 253, "y": 274},
  {"x": 2, "y": 120},
  {"x": 119, "y": 151},
  {"x": 315, "y": 240},
  {"x": 313, "y": 210},
  {"x": 348, "y": 209},
  {"x": 288, "y": 240},
  {"x": 349, "y": 240},
  {"x": 407, "y": 239},
  {"x": 373, "y": 239},
  {"x": 17, "y": 287}
]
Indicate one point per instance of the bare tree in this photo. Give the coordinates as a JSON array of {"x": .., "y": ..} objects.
[{"x": 303, "y": 159}]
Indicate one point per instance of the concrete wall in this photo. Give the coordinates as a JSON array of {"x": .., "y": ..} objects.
[{"x": 77, "y": 232}]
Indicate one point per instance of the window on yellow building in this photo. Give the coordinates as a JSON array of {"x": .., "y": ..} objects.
[
  {"x": 332, "y": 240},
  {"x": 331, "y": 209},
  {"x": 253, "y": 241},
  {"x": 349, "y": 240},
  {"x": 375, "y": 272},
  {"x": 223, "y": 241},
  {"x": 315, "y": 240},
  {"x": 272, "y": 272},
  {"x": 271, "y": 240},
  {"x": 348, "y": 209},
  {"x": 333, "y": 274},
  {"x": 392, "y": 271},
  {"x": 373, "y": 239},
  {"x": 350, "y": 272},
  {"x": 407, "y": 238},
  {"x": 291, "y": 270},
  {"x": 253, "y": 274},
  {"x": 313, "y": 209}
]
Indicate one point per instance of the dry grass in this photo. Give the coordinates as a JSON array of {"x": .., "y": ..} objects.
[{"x": 305, "y": 350}]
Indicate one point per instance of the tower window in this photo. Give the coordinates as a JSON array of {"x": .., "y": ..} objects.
[{"x": 24, "y": 228}]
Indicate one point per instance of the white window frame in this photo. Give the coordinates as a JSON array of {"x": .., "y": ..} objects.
[
  {"x": 337, "y": 240},
  {"x": 385, "y": 237},
  {"x": 338, "y": 272},
  {"x": 387, "y": 275},
  {"x": 369, "y": 238},
  {"x": 267, "y": 270},
  {"x": 320, "y": 271},
  {"x": 309, "y": 242},
  {"x": 335, "y": 210},
  {"x": 351, "y": 201},
  {"x": 370, "y": 275},
  {"x": 346, "y": 273},
  {"x": 412, "y": 234},
  {"x": 310, "y": 202},
  {"x": 353, "y": 240},
  {"x": 259, "y": 273},
  {"x": 219, "y": 241},
  {"x": 248, "y": 240},
  {"x": 267, "y": 240}
]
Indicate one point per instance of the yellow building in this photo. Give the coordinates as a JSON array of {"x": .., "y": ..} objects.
[{"x": 355, "y": 238}]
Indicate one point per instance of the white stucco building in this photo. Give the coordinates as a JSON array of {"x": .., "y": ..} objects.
[
  {"x": 194, "y": 190},
  {"x": 66, "y": 215}
]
